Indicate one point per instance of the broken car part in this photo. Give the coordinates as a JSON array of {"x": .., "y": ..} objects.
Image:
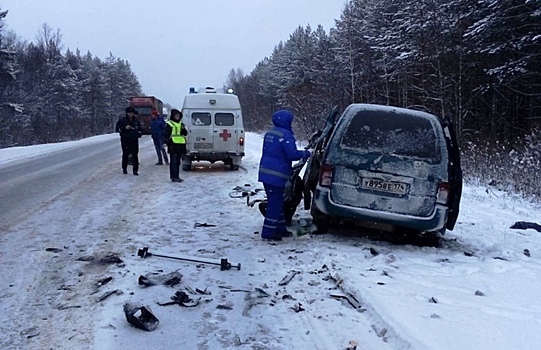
[
  {"x": 224, "y": 264},
  {"x": 140, "y": 317}
]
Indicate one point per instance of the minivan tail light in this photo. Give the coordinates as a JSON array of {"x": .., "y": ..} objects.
[
  {"x": 443, "y": 193},
  {"x": 325, "y": 175},
  {"x": 241, "y": 141}
]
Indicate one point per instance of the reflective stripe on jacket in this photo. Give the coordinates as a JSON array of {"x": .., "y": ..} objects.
[
  {"x": 176, "y": 129},
  {"x": 279, "y": 149}
]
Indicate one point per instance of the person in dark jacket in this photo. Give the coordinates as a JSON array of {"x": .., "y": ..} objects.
[
  {"x": 130, "y": 132},
  {"x": 175, "y": 139},
  {"x": 117, "y": 129},
  {"x": 157, "y": 128},
  {"x": 275, "y": 169}
]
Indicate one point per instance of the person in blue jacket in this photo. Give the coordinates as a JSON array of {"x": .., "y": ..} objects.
[
  {"x": 275, "y": 169},
  {"x": 157, "y": 128}
]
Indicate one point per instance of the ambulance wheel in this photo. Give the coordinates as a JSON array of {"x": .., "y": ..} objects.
[{"x": 186, "y": 163}]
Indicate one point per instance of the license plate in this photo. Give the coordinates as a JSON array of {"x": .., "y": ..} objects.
[
  {"x": 384, "y": 186},
  {"x": 199, "y": 145}
]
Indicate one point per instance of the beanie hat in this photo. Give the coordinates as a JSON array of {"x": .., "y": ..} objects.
[{"x": 130, "y": 110}]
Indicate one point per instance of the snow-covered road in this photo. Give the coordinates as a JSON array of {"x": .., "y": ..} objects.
[{"x": 479, "y": 291}]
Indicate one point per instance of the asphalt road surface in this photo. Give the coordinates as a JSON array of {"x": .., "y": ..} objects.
[{"x": 28, "y": 184}]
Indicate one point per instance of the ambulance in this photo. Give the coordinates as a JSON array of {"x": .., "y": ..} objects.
[{"x": 215, "y": 128}]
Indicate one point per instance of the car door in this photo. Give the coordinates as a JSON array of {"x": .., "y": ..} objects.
[
  {"x": 317, "y": 143},
  {"x": 225, "y": 133},
  {"x": 455, "y": 174},
  {"x": 200, "y": 136}
]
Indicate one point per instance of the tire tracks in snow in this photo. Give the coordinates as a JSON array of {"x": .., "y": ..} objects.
[{"x": 322, "y": 280}]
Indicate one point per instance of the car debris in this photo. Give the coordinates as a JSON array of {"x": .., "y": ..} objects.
[
  {"x": 204, "y": 291},
  {"x": 104, "y": 281},
  {"x": 109, "y": 258},
  {"x": 350, "y": 299},
  {"x": 53, "y": 250},
  {"x": 182, "y": 299},
  {"x": 297, "y": 307},
  {"x": 197, "y": 224},
  {"x": 288, "y": 278},
  {"x": 140, "y": 316},
  {"x": 524, "y": 225},
  {"x": 152, "y": 279},
  {"x": 108, "y": 294},
  {"x": 224, "y": 264},
  {"x": 226, "y": 306}
]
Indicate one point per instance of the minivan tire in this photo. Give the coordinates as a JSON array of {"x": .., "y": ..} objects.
[
  {"x": 322, "y": 222},
  {"x": 323, "y": 225}
]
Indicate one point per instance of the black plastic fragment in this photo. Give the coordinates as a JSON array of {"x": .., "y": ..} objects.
[{"x": 140, "y": 317}]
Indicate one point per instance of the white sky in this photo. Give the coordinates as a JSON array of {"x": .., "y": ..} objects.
[
  {"x": 410, "y": 297},
  {"x": 170, "y": 44}
]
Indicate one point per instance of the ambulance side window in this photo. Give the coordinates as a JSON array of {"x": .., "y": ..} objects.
[
  {"x": 224, "y": 119},
  {"x": 201, "y": 119}
]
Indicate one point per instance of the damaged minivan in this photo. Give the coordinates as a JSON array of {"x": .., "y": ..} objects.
[{"x": 388, "y": 169}]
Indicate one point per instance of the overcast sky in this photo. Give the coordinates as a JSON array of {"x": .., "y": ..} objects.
[{"x": 173, "y": 44}]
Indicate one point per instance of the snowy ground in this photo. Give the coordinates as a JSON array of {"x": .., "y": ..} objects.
[{"x": 479, "y": 291}]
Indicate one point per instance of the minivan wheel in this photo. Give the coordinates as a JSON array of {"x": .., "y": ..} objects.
[
  {"x": 431, "y": 239},
  {"x": 323, "y": 225},
  {"x": 322, "y": 221}
]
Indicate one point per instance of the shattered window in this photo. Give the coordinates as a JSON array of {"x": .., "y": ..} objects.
[{"x": 392, "y": 133}]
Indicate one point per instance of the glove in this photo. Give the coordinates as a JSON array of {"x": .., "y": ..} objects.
[{"x": 307, "y": 154}]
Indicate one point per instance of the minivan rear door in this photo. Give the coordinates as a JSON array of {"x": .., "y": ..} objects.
[
  {"x": 388, "y": 161},
  {"x": 317, "y": 143},
  {"x": 455, "y": 174}
]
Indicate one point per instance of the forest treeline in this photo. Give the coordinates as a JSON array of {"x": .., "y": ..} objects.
[
  {"x": 476, "y": 63},
  {"x": 47, "y": 95}
]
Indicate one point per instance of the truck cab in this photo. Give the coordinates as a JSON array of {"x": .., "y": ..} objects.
[
  {"x": 144, "y": 105},
  {"x": 215, "y": 128}
]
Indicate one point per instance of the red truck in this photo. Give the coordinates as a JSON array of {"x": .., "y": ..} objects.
[{"x": 144, "y": 106}]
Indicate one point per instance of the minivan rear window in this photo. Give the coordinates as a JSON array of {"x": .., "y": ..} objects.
[
  {"x": 224, "y": 119},
  {"x": 394, "y": 133}
]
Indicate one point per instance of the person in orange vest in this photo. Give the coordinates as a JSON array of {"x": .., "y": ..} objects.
[{"x": 175, "y": 139}]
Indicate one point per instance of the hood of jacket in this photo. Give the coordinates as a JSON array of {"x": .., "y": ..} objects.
[{"x": 282, "y": 119}]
